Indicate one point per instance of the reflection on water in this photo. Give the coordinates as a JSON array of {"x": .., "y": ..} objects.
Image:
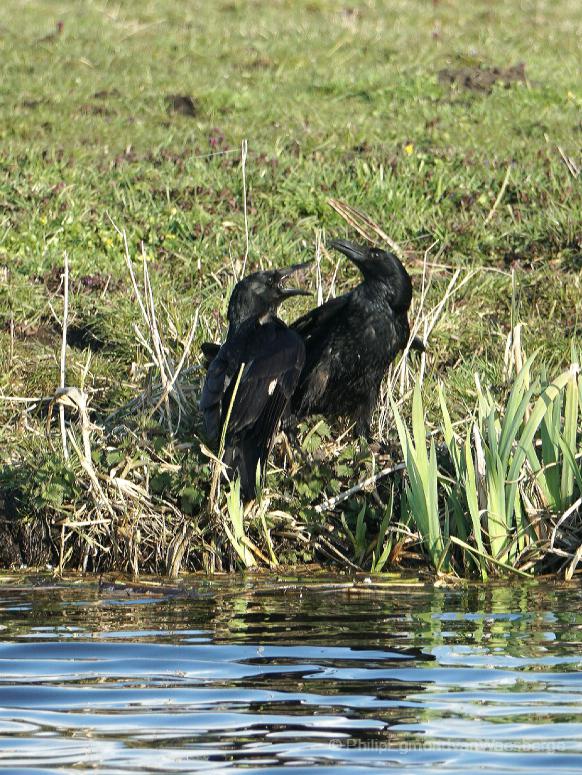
[{"x": 253, "y": 675}]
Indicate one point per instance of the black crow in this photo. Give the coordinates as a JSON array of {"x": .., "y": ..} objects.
[
  {"x": 351, "y": 340},
  {"x": 264, "y": 358}
]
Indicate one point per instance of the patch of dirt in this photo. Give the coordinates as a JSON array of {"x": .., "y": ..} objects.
[
  {"x": 573, "y": 263},
  {"x": 32, "y": 104},
  {"x": 158, "y": 158},
  {"x": 257, "y": 61},
  {"x": 518, "y": 259},
  {"x": 216, "y": 139},
  {"x": 88, "y": 109},
  {"x": 92, "y": 283},
  {"x": 481, "y": 78},
  {"x": 270, "y": 161},
  {"x": 182, "y": 104},
  {"x": 567, "y": 252},
  {"x": 48, "y": 332},
  {"x": 104, "y": 94},
  {"x": 42, "y": 333},
  {"x": 52, "y": 279},
  {"x": 56, "y": 155},
  {"x": 52, "y": 36},
  {"x": 95, "y": 282},
  {"x": 462, "y": 201}
]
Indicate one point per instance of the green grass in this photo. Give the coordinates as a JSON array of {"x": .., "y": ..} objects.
[{"x": 335, "y": 101}]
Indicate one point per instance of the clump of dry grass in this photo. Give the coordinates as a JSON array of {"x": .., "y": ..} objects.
[{"x": 118, "y": 514}]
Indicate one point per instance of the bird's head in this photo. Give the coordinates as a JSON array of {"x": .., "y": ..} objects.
[
  {"x": 380, "y": 266},
  {"x": 262, "y": 292}
]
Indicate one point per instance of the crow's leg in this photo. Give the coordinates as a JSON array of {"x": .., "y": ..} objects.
[
  {"x": 363, "y": 416},
  {"x": 364, "y": 424},
  {"x": 291, "y": 443}
]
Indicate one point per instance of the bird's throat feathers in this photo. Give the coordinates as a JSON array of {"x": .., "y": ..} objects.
[{"x": 244, "y": 305}]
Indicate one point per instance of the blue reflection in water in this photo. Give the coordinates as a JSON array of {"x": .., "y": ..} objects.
[{"x": 230, "y": 677}]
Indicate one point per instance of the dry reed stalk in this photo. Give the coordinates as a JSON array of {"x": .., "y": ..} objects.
[
  {"x": 364, "y": 225},
  {"x": 318, "y": 277},
  {"x": 219, "y": 466},
  {"x": 25, "y": 400},
  {"x": 330, "y": 503},
  {"x": 427, "y": 321},
  {"x": 569, "y": 162},
  {"x": 64, "y": 354},
  {"x": 75, "y": 398},
  {"x": 243, "y": 161},
  {"x": 87, "y": 465},
  {"x": 155, "y": 346},
  {"x": 12, "y": 337},
  {"x": 566, "y": 515},
  {"x": 331, "y": 292},
  {"x": 178, "y": 370},
  {"x": 152, "y": 394},
  {"x": 159, "y": 349},
  {"x": 331, "y": 551},
  {"x": 177, "y": 549},
  {"x": 499, "y": 195},
  {"x": 420, "y": 319},
  {"x": 509, "y": 354}
]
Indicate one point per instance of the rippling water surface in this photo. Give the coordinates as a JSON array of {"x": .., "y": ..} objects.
[{"x": 255, "y": 675}]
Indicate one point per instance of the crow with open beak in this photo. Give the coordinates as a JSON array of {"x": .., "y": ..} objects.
[{"x": 262, "y": 358}]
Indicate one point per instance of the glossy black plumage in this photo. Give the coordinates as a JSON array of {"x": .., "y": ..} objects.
[
  {"x": 269, "y": 357},
  {"x": 351, "y": 340}
]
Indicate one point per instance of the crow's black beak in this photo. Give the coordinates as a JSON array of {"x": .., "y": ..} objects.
[
  {"x": 354, "y": 252},
  {"x": 287, "y": 272}
]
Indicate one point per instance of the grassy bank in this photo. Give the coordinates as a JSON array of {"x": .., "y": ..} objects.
[{"x": 130, "y": 119}]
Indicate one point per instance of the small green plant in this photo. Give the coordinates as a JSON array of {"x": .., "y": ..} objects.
[
  {"x": 553, "y": 459},
  {"x": 484, "y": 511},
  {"x": 384, "y": 542},
  {"x": 506, "y": 437},
  {"x": 236, "y": 531},
  {"x": 358, "y": 537},
  {"x": 421, "y": 490},
  {"x": 463, "y": 492}
]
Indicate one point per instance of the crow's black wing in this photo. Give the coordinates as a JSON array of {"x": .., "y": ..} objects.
[
  {"x": 318, "y": 328},
  {"x": 320, "y": 318},
  {"x": 220, "y": 373},
  {"x": 251, "y": 448},
  {"x": 273, "y": 357}
]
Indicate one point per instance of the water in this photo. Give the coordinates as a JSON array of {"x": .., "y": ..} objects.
[{"x": 257, "y": 674}]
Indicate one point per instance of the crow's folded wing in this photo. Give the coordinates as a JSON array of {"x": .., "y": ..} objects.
[
  {"x": 218, "y": 378},
  {"x": 320, "y": 318},
  {"x": 273, "y": 357},
  {"x": 269, "y": 359}
]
